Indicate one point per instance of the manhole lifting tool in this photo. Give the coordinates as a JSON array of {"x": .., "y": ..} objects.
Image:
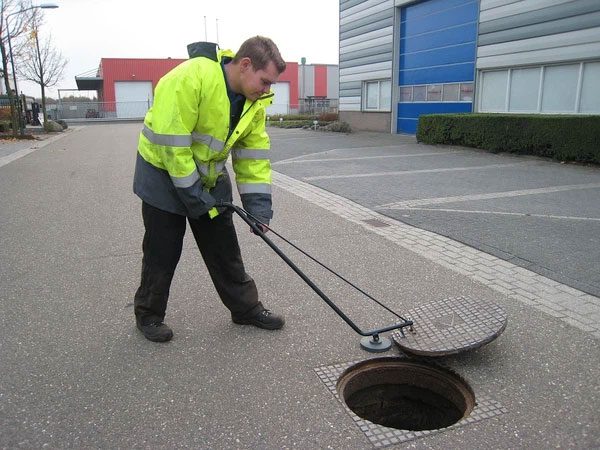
[{"x": 371, "y": 341}]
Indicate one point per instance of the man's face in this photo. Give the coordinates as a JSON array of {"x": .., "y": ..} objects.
[{"x": 256, "y": 83}]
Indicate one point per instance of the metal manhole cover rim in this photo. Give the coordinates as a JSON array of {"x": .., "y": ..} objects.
[{"x": 481, "y": 322}]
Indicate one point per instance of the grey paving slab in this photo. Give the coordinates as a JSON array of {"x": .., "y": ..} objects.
[{"x": 76, "y": 373}]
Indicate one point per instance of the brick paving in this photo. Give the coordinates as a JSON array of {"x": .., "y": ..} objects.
[{"x": 558, "y": 300}]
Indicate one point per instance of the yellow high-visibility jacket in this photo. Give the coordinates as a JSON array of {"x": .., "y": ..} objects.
[{"x": 184, "y": 143}]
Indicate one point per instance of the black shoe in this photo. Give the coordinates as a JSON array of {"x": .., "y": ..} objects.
[
  {"x": 156, "y": 332},
  {"x": 264, "y": 319}
]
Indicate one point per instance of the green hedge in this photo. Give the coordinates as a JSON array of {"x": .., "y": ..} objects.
[{"x": 565, "y": 138}]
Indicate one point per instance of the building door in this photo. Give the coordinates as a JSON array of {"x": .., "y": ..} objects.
[
  {"x": 133, "y": 98},
  {"x": 438, "y": 45},
  {"x": 281, "y": 101}
]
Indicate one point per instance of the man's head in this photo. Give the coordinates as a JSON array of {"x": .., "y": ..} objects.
[{"x": 255, "y": 67}]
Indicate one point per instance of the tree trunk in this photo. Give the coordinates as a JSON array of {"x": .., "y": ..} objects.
[
  {"x": 13, "y": 110},
  {"x": 44, "y": 114},
  {"x": 42, "y": 84}
]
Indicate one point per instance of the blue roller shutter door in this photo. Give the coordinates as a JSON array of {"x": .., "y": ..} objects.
[{"x": 438, "y": 45}]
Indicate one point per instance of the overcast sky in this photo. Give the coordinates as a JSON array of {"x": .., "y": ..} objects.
[{"x": 87, "y": 30}]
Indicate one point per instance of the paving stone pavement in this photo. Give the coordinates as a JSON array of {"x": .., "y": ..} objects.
[{"x": 572, "y": 306}]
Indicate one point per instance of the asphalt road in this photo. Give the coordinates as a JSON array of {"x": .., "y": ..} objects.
[{"x": 533, "y": 212}]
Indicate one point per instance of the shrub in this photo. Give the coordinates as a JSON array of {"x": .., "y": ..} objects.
[
  {"x": 291, "y": 123},
  {"x": 5, "y": 114},
  {"x": 5, "y": 126},
  {"x": 339, "y": 127},
  {"x": 285, "y": 117},
  {"x": 328, "y": 117},
  {"x": 564, "y": 138},
  {"x": 63, "y": 124},
  {"x": 52, "y": 126}
]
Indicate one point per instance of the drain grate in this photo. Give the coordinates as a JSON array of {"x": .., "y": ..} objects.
[{"x": 381, "y": 436}]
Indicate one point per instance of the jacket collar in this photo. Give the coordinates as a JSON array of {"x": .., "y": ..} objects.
[{"x": 209, "y": 50}]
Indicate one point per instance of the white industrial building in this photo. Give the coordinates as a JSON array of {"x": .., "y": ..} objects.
[{"x": 403, "y": 58}]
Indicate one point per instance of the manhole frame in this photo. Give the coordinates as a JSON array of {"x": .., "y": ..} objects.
[
  {"x": 379, "y": 436},
  {"x": 432, "y": 377}
]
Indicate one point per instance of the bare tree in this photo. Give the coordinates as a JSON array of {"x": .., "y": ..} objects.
[
  {"x": 41, "y": 63},
  {"x": 14, "y": 28}
]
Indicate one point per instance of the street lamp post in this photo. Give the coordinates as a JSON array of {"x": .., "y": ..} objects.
[{"x": 12, "y": 61}]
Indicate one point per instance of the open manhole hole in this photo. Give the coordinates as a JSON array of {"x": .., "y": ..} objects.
[{"x": 405, "y": 394}]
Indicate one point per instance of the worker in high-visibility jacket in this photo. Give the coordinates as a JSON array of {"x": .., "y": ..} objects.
[{"x": 205, "y": 109}]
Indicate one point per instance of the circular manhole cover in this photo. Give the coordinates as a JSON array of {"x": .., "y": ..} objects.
[
  {"x": 406, "y": 395},
  {"x": 450, "y": 326}
]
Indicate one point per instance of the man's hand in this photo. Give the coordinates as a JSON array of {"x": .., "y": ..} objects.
[
  {"x": 207, "y": 200},
  {"x": 261, "y": 227}
]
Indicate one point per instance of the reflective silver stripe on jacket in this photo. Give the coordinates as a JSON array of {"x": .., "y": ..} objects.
[
  {"x": 254, "y": 188},
  {"x": 211, "y": 142},
  {"x": 241, "y": 153},
  {"x": 185, "y": 182},
  {"x": 203, "y": 168},
  {"x": 178, "y": 140},
  {"x": 171, "y": 140}
]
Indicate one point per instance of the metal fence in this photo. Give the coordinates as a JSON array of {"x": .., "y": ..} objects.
[
  {"x": 137, "y": 110},
  {"x": 305, "y": 106},
  {"x": 20, "y": 105},
  {"x": 318, "y": 105},
  {"x": 6, "y": 108},
  {"x": 99, "y": 110}
]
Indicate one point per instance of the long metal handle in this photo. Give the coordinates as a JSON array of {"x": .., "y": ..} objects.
[{"x": 307, "y": 280}]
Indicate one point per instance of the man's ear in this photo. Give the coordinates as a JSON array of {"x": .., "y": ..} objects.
[{"x": 245, "y": 64}]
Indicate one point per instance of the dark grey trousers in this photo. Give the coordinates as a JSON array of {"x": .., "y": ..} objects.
[{"x": 217, "y": 241}]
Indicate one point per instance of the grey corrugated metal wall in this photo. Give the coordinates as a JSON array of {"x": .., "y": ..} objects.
[
  {"x": 366, "y": 47},
  {"x": 530, "y": 32}
]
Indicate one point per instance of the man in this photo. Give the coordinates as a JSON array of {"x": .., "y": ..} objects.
[{"x": 205, "y": 109}]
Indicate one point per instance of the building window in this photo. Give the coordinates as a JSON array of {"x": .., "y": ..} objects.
[
  {"x": 590, "y": 91},
  {"x": 450, "y": 92},
  {"x": 406, "y": 94},
  {"x": 466, "y": 92},
  {"x": 493, "y": 88},
  {"x": 419, "y": 93},
  {"x": 524, "y": 89},
  {"x": 559, "y": 88},
  {"x": 434, "y": 93},
  {"x": 377, "y": 95}
]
